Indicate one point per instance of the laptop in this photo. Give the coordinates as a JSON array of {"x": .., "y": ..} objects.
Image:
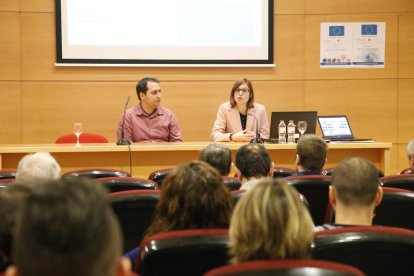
[
  {"x": 337, "y": 128},
  {"x": 296, "y": 116}
]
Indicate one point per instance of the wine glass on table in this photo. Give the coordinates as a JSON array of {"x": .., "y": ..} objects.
[
  {"x": 302, "y": 127},
  {"x": 77, "y": 130}
]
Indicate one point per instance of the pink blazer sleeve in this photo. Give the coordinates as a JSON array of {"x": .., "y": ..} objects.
[{"x": 220, "y": 131}]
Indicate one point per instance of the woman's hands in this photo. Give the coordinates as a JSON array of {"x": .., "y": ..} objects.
[{"x": 243, "y": 136}]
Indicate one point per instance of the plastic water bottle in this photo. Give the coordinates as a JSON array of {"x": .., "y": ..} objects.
[
  {"x": 282, "y": 132},
  {"x": 291, "y": 132}
]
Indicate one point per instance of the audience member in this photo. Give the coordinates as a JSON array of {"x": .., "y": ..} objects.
[
  {"x": 67, "y": 228},
  {"x": 218, "y": 156},
  {"x": 311, "y": 152},
  {"x": 40, "y": 166},
  {"x": 410, "y": 153},
  {"x": 270, "y": 222},
  {"x": 354, "y": 193},
  {"x": 10, "y": 200},
  {"x": 253, "y": 163},
  {"x": 148, "y": 121},
  {"x": 192, "y": 197},
  {"x": 238, "y": 118}
]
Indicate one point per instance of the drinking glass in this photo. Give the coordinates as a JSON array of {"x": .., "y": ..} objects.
[
  {"x": 77, "y": 129},
  {"x": 302, "y": 127}
]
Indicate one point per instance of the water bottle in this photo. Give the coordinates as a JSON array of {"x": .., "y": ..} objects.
[
  {"x": 291, "y": 132},
  {"x": 282, "y": 132}
]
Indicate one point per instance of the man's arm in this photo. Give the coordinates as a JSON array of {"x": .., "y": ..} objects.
[{"x": 175, "y": 131}]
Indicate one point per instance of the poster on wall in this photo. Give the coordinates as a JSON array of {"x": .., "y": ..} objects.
[{"x": 352, "y": 45}]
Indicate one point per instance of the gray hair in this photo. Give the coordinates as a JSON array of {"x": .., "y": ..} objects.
[
  {"x": 410, "y": 148},
  {"x": 39, "y": 166}
]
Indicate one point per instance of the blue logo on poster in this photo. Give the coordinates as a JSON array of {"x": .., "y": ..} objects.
[
  {"x": 336, "y": 30},
  {"x": 369, "y": 29}
]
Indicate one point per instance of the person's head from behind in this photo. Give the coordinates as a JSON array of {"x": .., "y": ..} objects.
[
  {"x": 67, "y": 228},
  {"x": 270, "y": 222},
  {"x": 10, "y": 199},
  {"x": 355, "y": 184},
  {"x": 311, "y": 152},
  {"x": 218, "y": 156},
  {"x": 252, "y": 162},
  {"x": 242, "y": 93},
  {"x": 410, "y": 153},
  {"x": 193, "y": 197},
  {"x": 40, "y": 166}
]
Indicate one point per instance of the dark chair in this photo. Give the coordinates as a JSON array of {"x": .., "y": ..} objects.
[
  {"x": 7, "y": 174},
  {"x": 83, "y": 138},
  {"x": 232, "y": 183},
  {"x": 315, "y": 188},
  {"x": 408, "y": 171},
  {"x": 376, "y": 250},
  {"x": 134, "y": 210},
  {"x": 119, "y": 184},
  {"x": 402, "y": 181},
  {"x": 236, "y": 195},
  {"x": 184, "y": 252},
  {"x": 159, "y": 175},
  {"x": 283, "y": 172},
  {"x": 328, "y": 171},
  {"x": 95, "y": 173},
  {"x": 288, "y": 267}
]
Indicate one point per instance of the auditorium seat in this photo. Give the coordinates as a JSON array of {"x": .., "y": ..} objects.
[
  {"x": 328, "y": 171},
  {"x": 83, "y": 138},
  {"x": 135, "y": 210},
  {"x": 287, "y": 267},
  {"x": 402, "y": 181},
  {"x": 183, "y": 252},
  {"x": 159, "y": 175},
  {"x": 94, "y": 173},
  {"x": 376, "y": 250},
  {"x": 232, "y": 183},
  {"x": 119, "y": 184},
  {"x": 408, "y": 171},
  {"x": 7, "y": 174},
  {"x": 283, "y": 172}
]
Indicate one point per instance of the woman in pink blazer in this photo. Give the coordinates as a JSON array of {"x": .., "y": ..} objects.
[{"x": 236, "y": 119}]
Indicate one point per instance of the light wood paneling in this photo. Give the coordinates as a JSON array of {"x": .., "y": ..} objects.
[
  {"x": 406, "y": 46},
  {"x": 401, "y": 161},
  {"x": 405, "y": 110},
  {"x": 37, "y": 5},
  {"x": 371, "y": 105},
  {"x": 289, "y": 6},
  {"x": 10, "y": 113},
  {"x": 9, "y": 5},
  {"x": 312, "y": 56},
  {"x": 9, "y": 46},
  {"x": 357, "y": 6}
]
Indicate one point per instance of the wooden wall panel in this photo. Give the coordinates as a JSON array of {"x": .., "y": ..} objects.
[
  {"x": 312, "y": 31},
  {"x": 289, "y": 6},
  {"x": 357, "y": 6},
  {"x": 371, "y": 105},
  {"x": 37, "y": 5},
  {"x": 9, "y": 5},
  {"x": 401, "y": 163},
  {"x": 10, "y": 113},
  {"x": 406, "y": 46},
  {"x": 405, "y": 110},
  {"x": 9, "y": 46}
]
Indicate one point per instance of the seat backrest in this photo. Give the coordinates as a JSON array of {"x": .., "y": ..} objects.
[
  {"x": 95, "y": 173},
  {"x": 83, "y": 138},
  {"x": 402, "y": 181},
  {"x": 119, "y": 184},
  {"x": 288, "y": 267},
  {"x": 329, "y": 171},
  {"x": 7, "y": 174},
  {"x": 184, "y": 252},
  {"x": 283, "y": 172},
  {"x": 408, "y": 171},
  {"x": 134, "y": 210},
  {"x": 236, "y": 195},
  {"x": 159, "y": 175},
  {"x": 315, "y": 188},
  {"x": 376, "y": 250},
  {"x": 232, "y": 183}
]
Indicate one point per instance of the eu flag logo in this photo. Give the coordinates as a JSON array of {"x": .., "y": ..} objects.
[
  {"x": 369, "y": 29},
  {"x": 336, "y": 30}
]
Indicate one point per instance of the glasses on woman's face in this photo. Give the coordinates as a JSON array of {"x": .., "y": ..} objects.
[{"x": 242, "y": 90}]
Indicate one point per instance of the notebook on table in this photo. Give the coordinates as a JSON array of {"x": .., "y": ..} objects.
[
  {"x": 337, "y": 128},
  {"x": 296, "y": 116}
]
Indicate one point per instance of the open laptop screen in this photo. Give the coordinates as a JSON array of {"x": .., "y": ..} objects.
[{"x": 335, "y": 127}]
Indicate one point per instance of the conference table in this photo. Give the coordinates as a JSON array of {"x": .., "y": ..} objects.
[{"x": 140, "y": 159}]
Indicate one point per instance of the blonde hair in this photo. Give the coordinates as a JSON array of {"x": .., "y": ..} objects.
[{"x": 270, "y": 222}]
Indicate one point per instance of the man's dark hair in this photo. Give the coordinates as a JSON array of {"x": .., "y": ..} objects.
[
  {"x": 312, "y": 151},
  {"x": 218, "y": 156},
  {"x": 142, "y": 85},
  {"x": 67, "y": 228},
  {"x": 253, "y": 160}
]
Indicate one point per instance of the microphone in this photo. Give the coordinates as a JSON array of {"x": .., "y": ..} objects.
[
  {"x": 256, "y": 140},
  {"x": 122, "y": 141}
]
